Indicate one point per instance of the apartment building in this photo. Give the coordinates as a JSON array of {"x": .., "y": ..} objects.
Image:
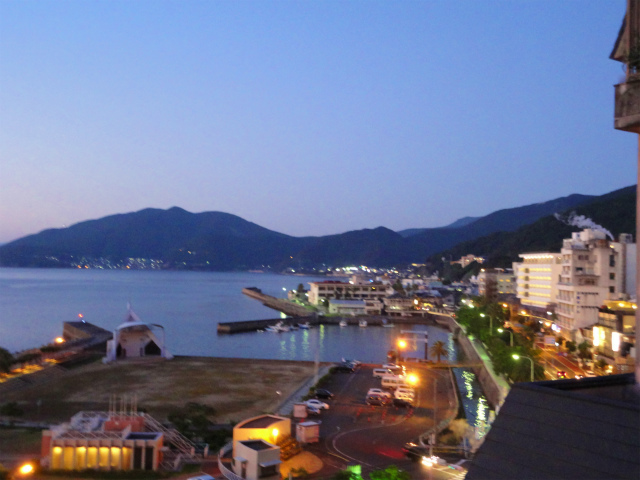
[
  {"x": 496, "y": 281},
  {"x": 536, "y": 280},
  {"x": 593, "y": 269},
  {"x": 336, "y": 290}
]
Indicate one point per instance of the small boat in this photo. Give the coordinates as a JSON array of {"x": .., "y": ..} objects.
[
  {"x": 362, "y": 323},
  {"x": 343, "y": 323},
  {"x": 387, "y": 324},
  {"x": 277, "y": 328},
  {"x": 304, "y": 326}
]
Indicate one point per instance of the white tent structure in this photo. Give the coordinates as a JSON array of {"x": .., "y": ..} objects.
[{"x": 135, "y": 339}]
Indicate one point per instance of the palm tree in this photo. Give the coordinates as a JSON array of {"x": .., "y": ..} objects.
[{"x": 439, "y": 350}]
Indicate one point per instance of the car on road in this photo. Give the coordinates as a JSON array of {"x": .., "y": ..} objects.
[
  {"x": 561, "y": 374},
  {"x": 414, "y": 451},
  {"x": 323, "y": 393},
  {"x": 379, "y": 391},
  {"x": 317, "y": 404},
  {"x": 589, "y": 373}
]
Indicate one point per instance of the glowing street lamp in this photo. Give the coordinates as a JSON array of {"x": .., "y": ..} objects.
[
  {"x": 402, "y": 344},
  {"x": 26, "y": 469},
  {"x": 412, "y": 379},
  {"x": 518, "y": 357},
  {"x": 502, "y": 330},
  {"x": 59, "y": 340},
  {"x": 490, "y": 323}
]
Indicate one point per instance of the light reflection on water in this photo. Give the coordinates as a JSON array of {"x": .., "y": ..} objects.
[{"x": 476, "y": 407}]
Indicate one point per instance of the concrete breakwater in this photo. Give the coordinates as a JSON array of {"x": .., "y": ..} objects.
[{"x": 279, "y": 304}]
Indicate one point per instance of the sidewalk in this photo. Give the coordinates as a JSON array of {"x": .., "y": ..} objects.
[{"x": 286, "y": 407}]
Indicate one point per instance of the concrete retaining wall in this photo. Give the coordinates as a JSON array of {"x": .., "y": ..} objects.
[{"x": 494, "y": 387}]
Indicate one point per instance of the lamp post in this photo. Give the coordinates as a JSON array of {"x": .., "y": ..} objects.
[
  {"x": 490, "y": 323},
  {"x": 517, "y": 357},
  {"x": 502, "y": 330}
]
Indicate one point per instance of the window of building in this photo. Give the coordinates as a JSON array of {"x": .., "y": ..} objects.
[
  {"x": 612, "y": 289},
  {"x": 612, "y": 260},
  {"x": 612, "y": 276}
]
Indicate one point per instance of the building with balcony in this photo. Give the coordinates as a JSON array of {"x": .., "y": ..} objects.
[
  {"x": 536, "y": 280},
  {"x": 336, "y": 290},
  {"x": 594, "y": 269},
  {"x": 496, "y": 281},
  {"x": 614, "y": 335}
]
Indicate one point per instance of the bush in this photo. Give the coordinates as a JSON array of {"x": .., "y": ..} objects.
[{"x": 11, "y": 409}]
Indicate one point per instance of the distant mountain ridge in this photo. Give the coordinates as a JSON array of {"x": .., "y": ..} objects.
[
  {"x": 222, "y": 241},
  {"x": 615, "y": 211}
]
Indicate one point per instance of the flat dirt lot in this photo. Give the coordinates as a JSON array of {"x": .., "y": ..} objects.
[{"x": 235, "y": 388}]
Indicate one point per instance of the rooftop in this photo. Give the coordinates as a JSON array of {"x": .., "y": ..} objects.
[
  {"x": 263, "y": 421},
  {"x": 257, "y": 444},
  {"x": 588, "y": 428}
]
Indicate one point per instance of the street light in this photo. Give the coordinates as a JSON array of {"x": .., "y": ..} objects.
[
  {"x": 490, "y": 323},
  {"x": 502, "y": 330},
  {"x": 518, "y": 357}
]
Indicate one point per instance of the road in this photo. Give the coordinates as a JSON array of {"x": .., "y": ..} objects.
[{"x": 354, "y": 432}]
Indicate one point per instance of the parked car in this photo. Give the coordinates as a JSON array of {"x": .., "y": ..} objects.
[
  {"x": 402, "y": 402},
  {"x": 344, "y": 368},
  {"x": 377, "y": 400},
  {"x": 323, "y": 393},
  {"x": 589, "y": 373},
  {"x": 379, "y": 391},
  {"x": 317, "y": 403},
  {"x": 414, "y": 451},
  {"x": 311, "y": 410}
]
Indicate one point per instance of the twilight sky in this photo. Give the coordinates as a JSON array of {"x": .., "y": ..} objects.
[{"x": 308, "y": 118}]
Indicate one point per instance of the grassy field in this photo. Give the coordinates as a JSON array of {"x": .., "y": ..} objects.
[{"x": 235, "y": 388}]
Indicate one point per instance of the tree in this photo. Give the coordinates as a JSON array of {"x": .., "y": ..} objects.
[
  {"x": 583, "y": 350},
  {"x": 6, "y": 359},
  {"x": 571, "y": 346},
  {"x": 390, "y": 473},
  {"x": 439, "y": 350},
  {"x": 301, "y": 289}
]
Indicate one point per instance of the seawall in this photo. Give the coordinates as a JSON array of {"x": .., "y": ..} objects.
[{"x": 494, "y": 386}]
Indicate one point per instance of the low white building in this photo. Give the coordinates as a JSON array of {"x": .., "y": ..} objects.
[
  {"x": 347, "y": 307},
  {"x": 332, "y": 289}
]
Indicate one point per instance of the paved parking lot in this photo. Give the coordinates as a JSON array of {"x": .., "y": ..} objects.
[{"x": 353, "y": 432}]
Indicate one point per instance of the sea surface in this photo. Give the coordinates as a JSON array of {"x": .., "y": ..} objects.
[{"x": 34, "y": 303}]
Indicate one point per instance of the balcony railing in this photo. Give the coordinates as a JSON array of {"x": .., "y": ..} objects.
[{"x": 627, "y": 105}]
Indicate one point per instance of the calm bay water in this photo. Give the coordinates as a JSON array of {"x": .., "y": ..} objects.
[{"x": 35, "y": 302}]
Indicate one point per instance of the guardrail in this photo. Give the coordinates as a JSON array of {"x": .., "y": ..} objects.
[{"x": 228, "y": 474}]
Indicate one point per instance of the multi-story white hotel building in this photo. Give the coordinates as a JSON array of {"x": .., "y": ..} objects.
[
  {"x": 594, "y": 269},
  {"x": 536, "y": 279}
]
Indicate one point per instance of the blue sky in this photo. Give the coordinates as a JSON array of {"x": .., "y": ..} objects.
[{"x": 308, "y": 118}]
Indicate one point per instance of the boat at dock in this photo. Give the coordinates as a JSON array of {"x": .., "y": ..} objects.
[
  {"x": 304, "y": 326},
  {"x": 343, "y": 323},
  {"x": 386, "y": 324},
  {"x": 362, "y": 323},
  {"x": 277, "y": 328}
]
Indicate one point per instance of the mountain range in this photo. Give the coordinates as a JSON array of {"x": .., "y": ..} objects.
[{"x": 222, "y": 241}]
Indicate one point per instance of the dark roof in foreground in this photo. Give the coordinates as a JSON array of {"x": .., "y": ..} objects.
[{"x": 564, "y": 429}]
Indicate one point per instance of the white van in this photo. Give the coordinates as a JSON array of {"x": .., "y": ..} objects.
[
  {"x": 393, "y": 381},
  {"x": 381, "y": 372}
]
